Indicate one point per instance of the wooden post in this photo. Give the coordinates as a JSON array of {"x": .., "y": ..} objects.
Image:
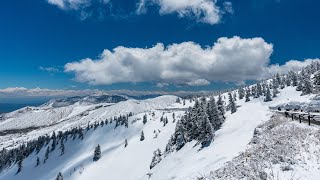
[{"x": 309, "y": 119}]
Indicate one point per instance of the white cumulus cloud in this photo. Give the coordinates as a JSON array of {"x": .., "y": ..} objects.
[
  {"x": 228, "y": 60},
  {"x": 206, "y": 11}
]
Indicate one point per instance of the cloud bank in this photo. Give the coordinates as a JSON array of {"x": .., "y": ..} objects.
[
  {"x": 205, "y": 11},
  {"x": 228, "y": 60}
]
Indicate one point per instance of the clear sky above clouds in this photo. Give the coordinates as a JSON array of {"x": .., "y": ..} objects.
[{"x": 153, "y": 44}]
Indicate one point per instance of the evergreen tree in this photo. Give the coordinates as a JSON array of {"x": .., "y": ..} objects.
[
  {"x": 156, "y": 158},
  {"x": 300, "y": 85},
  {"x": 145, "y": 118},
  {"x": 294, "y": 78},
  {"x": 20, "y": 164},
  {"x": 38, "y": 162},
  {"x": 268, "y": 95},
  {"x": 234, "y": 96},
  {"x": 59, "y": 176},
  {"x": 142, "y": 136},
  {"x": 62, "y": 148},
  {"x": 316, "y": 81},
  {"x": 125, "y": 143},
  {"x": 232, "y": 104},
  {"x": 307, "y": 86},
  {"x": 220, "y": 104},
  {"x": 259, "y": 90},
  {"x": 97, "y": 153},
  {"x": 247, "y": 95},
  {"x": 46, "y": 156},
  {"x": 54, "y": 141},
  {"x": 207, "y": 134},
  {"x": 241, "y": 93}
]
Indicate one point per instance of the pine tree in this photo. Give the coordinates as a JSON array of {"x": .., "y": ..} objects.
[
  {"x": 268, "y": 95},
  {"x": 316, "y": 81},
  {"x": 294, "y": 78},
  {"x": 46, "y": 156},
  {"x": 300, "y": 84},
  {"x": 247, "y": 95},
  {"x": 20, "y": 164},
  {"x": 142, "y": 136},
  {"x": 59, "y": 176},
  {"x": 207, "y": 131},
  {"x": 232, "y": 104},
  {"x": 125, "y": 143},
  {"x": 234, "y": 96},
  {"x": 97, "y": 153},
  {"x": 145, "y": 118},
  {"x": 241, "y": 93},
  {"x": 156, "y": 158},
  {"x": 259, "y": 90},
  {"x": 38, "y": 162},
  {"x": 274, "y": 91},
  {"x": 62, "y": 148},
  {"x": 220, "y": 105},
  {"x": 307, "y": 86},
  {"x": 54, "y": 141}
]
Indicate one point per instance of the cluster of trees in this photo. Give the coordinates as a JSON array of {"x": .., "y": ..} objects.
[
  {"x": 205, "y": 117},
  {"x": 198, "y": 123},
  {"x": 307, "y": 81}
]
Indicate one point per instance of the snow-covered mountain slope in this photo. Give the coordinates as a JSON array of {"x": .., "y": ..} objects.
[
  {"x": 133, "y": 161},
  {"x": 38, "y": 121}
]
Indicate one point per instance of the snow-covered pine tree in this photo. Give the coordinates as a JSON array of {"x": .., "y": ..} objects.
[
  {"x": 268, "y": 95},
  {"x": 241, "y": 93},
  {"x": 288, "y": 80},
  {"x": 178, "y": 100},
  {"x": 235, "y": 96},
  {"x": 59, "y": 176},
  {"x": 294, "y": 78},
  {"x": 232, "y": 104},
  {"x": 274, "y": 91},
  {"x": 215, "y": 117},
  {"x": 264, "y": 90},
  {"x": 156, "y": 158},
  {"x": 247, "y": 95},
  {"x": 142, "y": 136},
  {"x": 307, "y": 86},
  {"x": 207, "y": 135},
  {"x": 145, "y": 118},
  {"x": 220, "y": 104},
  {"x": 259, "y": 89},
  {"x": 275, "y": 86},
  {"x": 316, "y": 81},
  {"x": 97, "y": 153},
  {"x": 300, "y": 84}
]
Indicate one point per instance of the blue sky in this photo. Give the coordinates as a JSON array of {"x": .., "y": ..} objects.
[{"x": 38, "y": 39}]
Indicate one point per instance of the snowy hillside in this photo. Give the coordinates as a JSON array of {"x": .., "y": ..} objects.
[{"x": 156, "y": 138}]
